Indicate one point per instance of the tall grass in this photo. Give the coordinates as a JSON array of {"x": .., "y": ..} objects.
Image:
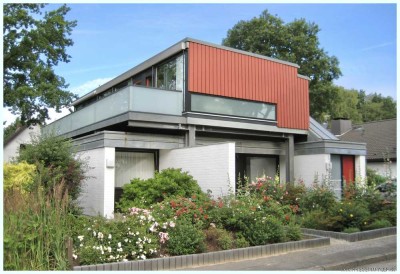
[{"x": 35, "y": 228}]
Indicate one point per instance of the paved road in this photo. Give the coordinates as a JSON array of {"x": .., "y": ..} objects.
[
  {"x": 377, "y": 267},
  {"x": 339, "y": 252}
]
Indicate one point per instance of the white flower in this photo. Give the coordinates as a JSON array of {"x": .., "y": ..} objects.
[
  {"x": 80, "y": 238},
  {"x": 74, "y": 256},
  {"x": 81, "y": 245},
  {"x": 126, "y": 240},
  {"x": 109, "y": 249},
  {"x": 119, "y": 244},
  {"x": 137, "y": 232},
  {"x": 109, "y": 236},
  {"x": 94, "y": 233},
  {"x": 89, "y": 229},
  {"x": 171, "y": 224},
  {"x": 143, "y": 257},
  {"x": 100, "y": 235},
  {"x": 119, "y": 249}
]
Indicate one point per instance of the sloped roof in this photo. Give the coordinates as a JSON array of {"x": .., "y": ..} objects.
[
  {"x": 380, "y": 137},
  {"x": 318, "y": 132}
]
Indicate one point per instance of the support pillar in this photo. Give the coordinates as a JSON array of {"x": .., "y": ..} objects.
[
  {"x": 191, "y": 136},
  {"x": 290, "y": 159}
]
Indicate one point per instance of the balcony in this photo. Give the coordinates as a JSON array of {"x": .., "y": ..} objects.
[{"x": 129, "y": 99}]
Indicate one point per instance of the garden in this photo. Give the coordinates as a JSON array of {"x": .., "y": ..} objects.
[{"x": 164, "y": 216}]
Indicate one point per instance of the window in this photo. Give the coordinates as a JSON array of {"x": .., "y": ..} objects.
[
  {"x": 254, "y": 166},
  {"x": 232, "y": 107},
  {"x": 170, "y": 74}
]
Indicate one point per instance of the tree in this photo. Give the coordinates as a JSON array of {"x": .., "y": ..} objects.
[
  {"x": 32, "y": 47},
  {"x": 295, "y": 42},
  {"x": 346, "y": 105}
]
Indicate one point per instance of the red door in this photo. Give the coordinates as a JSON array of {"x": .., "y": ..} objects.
[{"x": 348, "y": 168}]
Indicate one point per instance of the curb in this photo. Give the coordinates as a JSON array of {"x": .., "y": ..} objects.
[
  {"x": 349, "y": 265},
  {"x": 353, "y": 237},
  {"x": 210, "y": 258}
]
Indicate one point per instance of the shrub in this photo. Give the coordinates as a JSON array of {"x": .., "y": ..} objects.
[
  {"x": 134, "y": 237},
  {"x": 292, "y": 232},
  {"x": 259, "y": 229},
  {"x": 380, "y": 223},
  {"x": 240, "y": 241},
  {"x": 318, "y": 197},
  {"x": 351, "y": 230},
  {"x": 56, "y": 161},
  {"x": 386, "y": 214},
  {"x": 185, "y": 238},
  {"x": 374, "y": 179},
  {"x": 219, "y": 239},
  {"x": 165, "y": 184},
  {"x": 18, "y": 176},
  {"x": 353, "y": 214}
]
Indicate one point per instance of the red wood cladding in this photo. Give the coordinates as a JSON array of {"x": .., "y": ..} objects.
[{"x": 222, "y": 72}]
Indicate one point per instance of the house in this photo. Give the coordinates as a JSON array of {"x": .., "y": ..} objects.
[
  {"x": 20, "y": 138},
  {"x": 380, "y": 137},
  {"x": 217, "y": 112}
]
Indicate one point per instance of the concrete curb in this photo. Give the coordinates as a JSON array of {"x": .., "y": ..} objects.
[
  {"x": 353, "y": 237},
  {"x": 210, "y": 258},
  {"x": 348, "y": 265}
]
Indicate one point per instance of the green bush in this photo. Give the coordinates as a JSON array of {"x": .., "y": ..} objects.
[
  {"x": 318, "y": 197},
  {"x": 240, "y": 241},
  {"x": 185, "y": 238},
  {"x": 165, "y": 184},
  {"x": 133, "y": 237},
  {"x": 351, "y": 230},
  {"x": 219, "y": 239},
  {"x": 259, "y": 229},
  {"x": 292, "y": 232},
  {"x": 18, "y": 176},
  {"x": 386, "y": 214},
  {"x": 353, "y": 214},
  {"x": 374, "y": 179},
  {"x": 56, "y": 162},
  {"x": 380, "y": 223}
]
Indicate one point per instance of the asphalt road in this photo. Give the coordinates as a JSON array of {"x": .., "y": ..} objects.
[{"x": 377, "y": 267}]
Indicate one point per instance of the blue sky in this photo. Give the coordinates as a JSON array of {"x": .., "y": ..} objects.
[{"x": 112, "y": 38}]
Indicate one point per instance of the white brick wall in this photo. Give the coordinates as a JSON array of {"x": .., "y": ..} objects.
[
  {"x": 308, "y": 167},
  {"x": 97, "y": 197},
  {"x": 212, "y": 166}
]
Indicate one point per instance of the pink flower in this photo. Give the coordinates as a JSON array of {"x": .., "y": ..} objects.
[{"x": 163, "y": 237}]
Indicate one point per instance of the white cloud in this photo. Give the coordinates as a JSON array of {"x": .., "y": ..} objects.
[
  {"x": 9, "y": 118},
  {"x": 377, "y": 46}
]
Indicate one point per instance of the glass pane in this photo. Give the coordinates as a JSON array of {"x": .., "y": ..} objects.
[
  {"x": 233, "y": 107},
  {"x": 130, "y": 165},
  {"x": 260, "y": 166},
  {"x": 336, "y": 175},
  {"x": 170, "y": 74}
]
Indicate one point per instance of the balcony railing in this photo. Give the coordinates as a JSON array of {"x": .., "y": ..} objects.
[{"x": 131, "y": 98}]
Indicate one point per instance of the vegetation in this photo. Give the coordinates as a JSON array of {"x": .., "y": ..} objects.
[
  {"x": 34, "y": 43},
  {"x": 298, "y": 42},
  {"x": 39, "y": 193}
]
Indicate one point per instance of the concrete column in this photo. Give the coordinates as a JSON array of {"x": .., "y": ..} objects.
[
  {"x": 191, "y": 136},
  {"x": 290, "y": 159}
]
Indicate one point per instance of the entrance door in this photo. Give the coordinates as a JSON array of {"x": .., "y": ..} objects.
[
  {"x": 342, "y": 173},
  {"x": 254, "y": 166}
]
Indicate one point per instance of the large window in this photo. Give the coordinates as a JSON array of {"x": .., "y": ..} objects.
[
  {"x": 170, "y": 74},
  {"x": 232, "y": 107}
]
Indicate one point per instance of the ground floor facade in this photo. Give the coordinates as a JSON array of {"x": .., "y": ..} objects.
[{"x": 218, "y": 161}]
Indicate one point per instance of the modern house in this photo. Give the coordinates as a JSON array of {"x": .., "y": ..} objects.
[
  {"x": 216, "y": 112},
  {"x": 380, "y": 137},
  {"x": 20, "y": 138}
]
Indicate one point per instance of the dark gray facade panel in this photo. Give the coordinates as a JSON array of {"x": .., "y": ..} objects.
[{"x": 326, "y": 147}]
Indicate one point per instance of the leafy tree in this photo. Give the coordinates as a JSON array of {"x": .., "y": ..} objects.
[
  {"x": 33, "y": 44},
  {"x": 295, "y": 42},
  {"x": 346, "y": 105}
]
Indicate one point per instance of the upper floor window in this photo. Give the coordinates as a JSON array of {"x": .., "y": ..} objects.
[{"x": 170, "y": 74}]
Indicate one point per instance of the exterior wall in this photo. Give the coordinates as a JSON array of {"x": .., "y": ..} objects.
[
  {"x": 384, "y": 169},
  {"x": 360, "y": 168},
  {"x": 309, "y": 167},
  {"x": 212, "y": 166},
  {"x": 12, "y": 148},
  {"x": 97, "y": 197},
  {"x": 221, "y": 72},
  {"x": 282, "y": 169}
]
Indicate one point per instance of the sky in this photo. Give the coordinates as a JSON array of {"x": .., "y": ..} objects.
[{"x": 112, "y": 38}]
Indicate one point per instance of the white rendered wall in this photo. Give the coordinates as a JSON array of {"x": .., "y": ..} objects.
[
  {"x": 212, "y": 166},
  {"x": 384, "y": 169},
  {"x": 282, "y": 169},
  {"x": 11, "y": 150},
  {"x": 309, "y": 167},
  {"x": 360, "y": 168},
  {"x": 97, "y": 197}
]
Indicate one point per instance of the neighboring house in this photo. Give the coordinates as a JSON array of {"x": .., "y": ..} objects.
[
  {"x": 216, "y": 112},
  {"x": 20, "y": 138},
  {"x": 380, "y": 137}
]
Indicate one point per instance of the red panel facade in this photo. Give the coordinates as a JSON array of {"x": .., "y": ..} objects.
[{"x": 221, "y": 72}]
